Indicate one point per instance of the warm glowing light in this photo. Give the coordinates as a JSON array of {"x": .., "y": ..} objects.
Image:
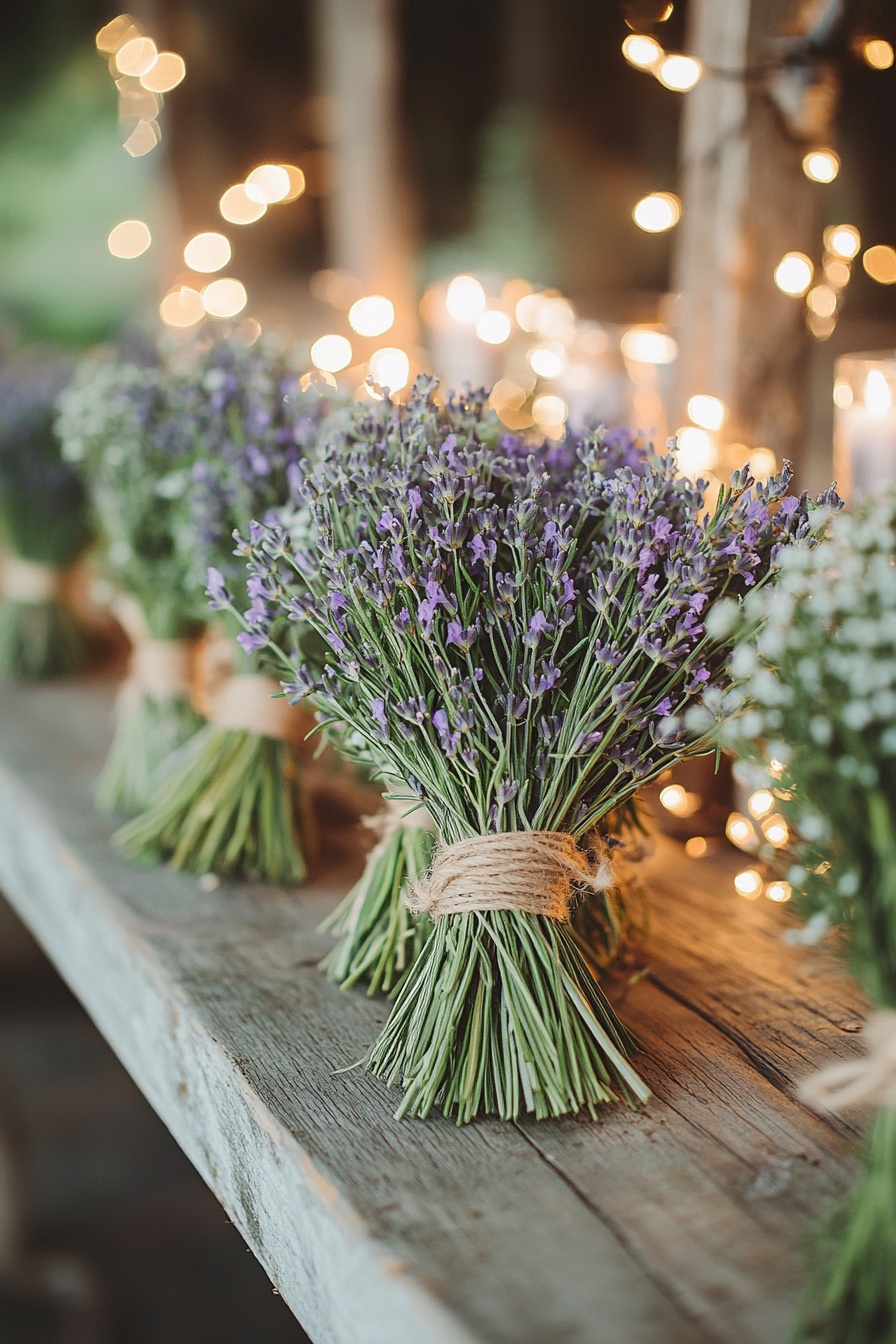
[
  {"x": 270, "y": 182},
  {"x": 115, "y": 33},
  {"x": 641, "y": 51},
  {"x": 549, "y": 412},
  {"x": 548, "y": 361},
  {"x": 494, "y": 327},
  {"x": 331, "y": 353},
  {"x": 843, "y": 240},
  {"x": 129, "y": 239},
  {"x": 165, "y": 74},
  {"x": 390, "y": 368},
  {"x": 760, "y": 802},
  {"x": 775, "y": 767},
  {"x": 774, "y": 828},
  {"x": 556, "y": 318},
  {"x": 240, "y": 206},
  {"x": 880, "y": 264},
  {"x": 207, "y": 252},
  {"x": 843, "y": 397},
  {"x": 820, "y": 327},
  {"x": 137, "y": 56},
  {"x": 694, "y": 451},
  {"x": 465, "y": 299},
  {"x": 763, "y": 463},
  {"x": 182, "y": 307},
  {"x": 645, "y": 346},
  {"x": 793, "y": 273},
  {"x": 707, "y": 412},
  {"x": 678, "y": 801},
  {"x": 657, "y": 212},
  {"x": 748, "y": 883},
  {"x": 224, "y": 298},
  {"x": 296, "y": 182},
  {"x": 507, "y": 395},
  {"x": 821, "y": 165},
  {"x": 528, "y": 310},
  {"x": 822, "y": 300},
  {"x": 679, "y": 73},
  {"x": 696, "y": 847},
  {"x": 878, "y": 53},
  {"x": 779, "y": 891},
  {"x": 836, "y": 272},
  {"x": 143, "y": 138},
  {"x": 136, "y": 103},
  {"x": 878, "y": 397},
  {"x": 372, "y": 315},
  {"x": 740, "y": 832}
]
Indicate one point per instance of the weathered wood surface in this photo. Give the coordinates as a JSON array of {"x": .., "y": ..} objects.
[{"x": 681, "y": 1224}]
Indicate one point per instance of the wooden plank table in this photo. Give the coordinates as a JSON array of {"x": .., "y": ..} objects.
[{"x": 680, "y": 1224}]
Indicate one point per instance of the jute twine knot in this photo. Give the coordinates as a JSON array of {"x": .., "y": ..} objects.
[
  {"x": 246, "y": 703},
  {"x": 27, "y": 581},
  {"x": 870, "y": 1081},
  {"x": 535, "y": 872}
]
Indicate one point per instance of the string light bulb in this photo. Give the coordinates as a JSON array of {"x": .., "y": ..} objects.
[
  {"x": 641, "y": 51},
  {"x": 707, "y": 412},
  {"x": 371, "y": 315},
  {"x": 658, "y": 212},
  {"x": 748, "y": 883},
  {"x": 821, "y": 165},
  {"x": 779, "y": 891},
  {"x": 877, "y": 53},
  {"x": 677, "y": 800},
  {"x": 760, "y": 802},
  {"x": 679, "y": 73},
  {"x": 775, "y": 830},
  {"x": 793, "y": 274},
  {"x": 331, "y": 353},
  {"x": 740, "y": 831},
  {"x": 843, "y": 241}
]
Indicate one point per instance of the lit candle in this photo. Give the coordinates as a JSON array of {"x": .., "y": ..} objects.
[{"x": 865, "y": 424}]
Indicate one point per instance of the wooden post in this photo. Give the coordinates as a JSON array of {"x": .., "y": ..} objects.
[
  {"x": 369, "y": 231},
  {"x": 746, "y": 202}
]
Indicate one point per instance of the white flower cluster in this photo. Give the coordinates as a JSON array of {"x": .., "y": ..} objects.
[{"x": 816, "y": 669}]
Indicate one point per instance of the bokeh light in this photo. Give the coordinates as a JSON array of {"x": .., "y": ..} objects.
[
  {"x": 494, "y": 327},
  {"x": 878, "y": 53},
  {"x": 657, "y": 212},
  {"x": 166, "y": 72},
  {"x": 270, "y": 182},
  {"x": 748, "y": 883},
  {"x": 465, "y": 299},
  {"x": 641, "y": 51},
  {"x": 143, "y": 138},
  {"x": 372, "y": 315},
  {"x": 548, "y": 360},
  {"x": 224, "y": 298},
  {"x": 182, "y": 307},
  {"x": 843, "y": 240},
  {"x": 129, "y": 239},
  {"x": 707, "y": 412},
  {"x": 695, "y": 451},
  {"x": 880, "y": 263},
  {"x": 679, "y": 73},
  {"x": 137, "y": 56},
  {"x": 331, "y": 353},
  {"x": 793, "y": 273},
  {"x": 643, "y": 345},
  {"x": 207, "y": 252},
  {"x": 238, "y": 206},
  {"x": 115, "y": 33},
  {"x": 390, "y": 367},
  {"x": 821, "y": 165},
  {"x": 296, "y": 182}
]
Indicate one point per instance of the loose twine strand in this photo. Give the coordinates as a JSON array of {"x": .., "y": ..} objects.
[
  {"x": 870, "y": 1081},
  {"x": 534, "y": 872},
  {"x": 27, "y": 581}
]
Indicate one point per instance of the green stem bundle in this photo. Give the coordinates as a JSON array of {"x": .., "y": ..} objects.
[
  {"x": 378, "y": 938},
  {"x": 228, "y": 805},
  {"x": 148, "y": 731},
  {"x": 39, "y": 639},
  {"x": 501, "y": 1015}
]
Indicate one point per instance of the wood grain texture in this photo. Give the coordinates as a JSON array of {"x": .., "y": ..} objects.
[{"x": 681, "y": 1224}]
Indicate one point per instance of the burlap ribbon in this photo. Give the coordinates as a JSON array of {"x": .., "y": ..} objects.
[
  {"x": 26, "y": 581},
  {"x": 870, "y": 1081},
  {"x": 246, "y": 703},
  {"x": 159, "y": 668},
  {"x": 534, "y": 872}
]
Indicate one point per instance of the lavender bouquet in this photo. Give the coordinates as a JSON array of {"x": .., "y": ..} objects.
[
  {"x": 230, "y": 801},
  {"x": 43, "y": 525},
  {"x": 125, "y": 424},
  {"x": 817, "y": 694},
  {"x": 520, "y": 654}
]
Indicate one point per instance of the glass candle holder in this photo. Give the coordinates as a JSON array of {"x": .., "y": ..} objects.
[{"x": 865, "y": 423}]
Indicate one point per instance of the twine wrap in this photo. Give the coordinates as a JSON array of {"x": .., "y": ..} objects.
[
  {"x": 859, "y": 1082},
  {"x": 245, "y": 703},
  {"x": 27, "y": 581},
  {"x": 159, "y": 668},
  {"x": 534, "y": 872},
  {"x": 394, "y": 816}
]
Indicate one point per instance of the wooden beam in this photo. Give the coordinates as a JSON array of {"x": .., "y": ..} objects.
[{"x": 746, "y": 202}]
